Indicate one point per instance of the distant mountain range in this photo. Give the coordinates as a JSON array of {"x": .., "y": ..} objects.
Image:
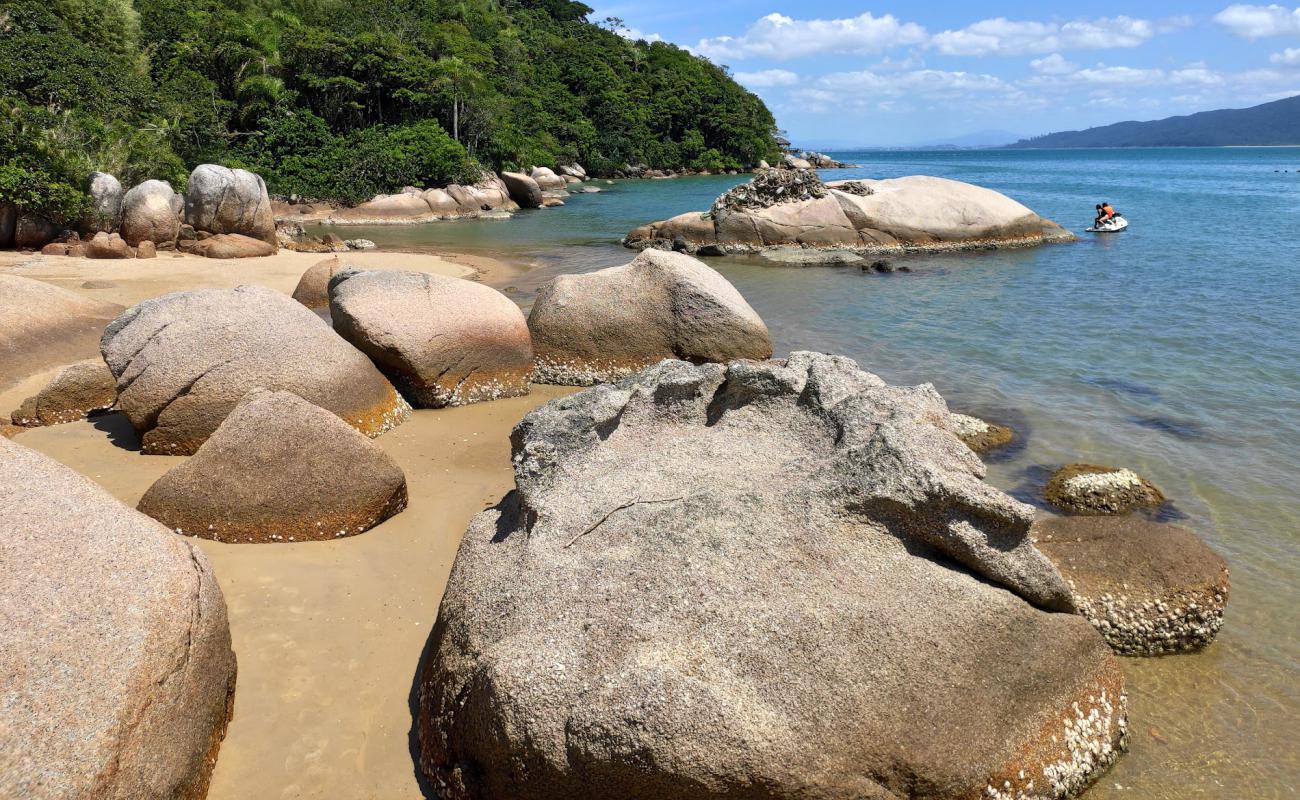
[
  {"x": 989, "y": 138},
  {"x": 1276, "y": 123}
]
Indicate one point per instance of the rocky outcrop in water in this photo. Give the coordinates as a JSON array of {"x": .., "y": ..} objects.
[
  {"x": 979, "y": 435},
  {"x": 183, "y": 361},
  {"x": 412, "y": 205},
  {"x": 116, "y": 673},
  {"x": 1149, "y": 589},
  {"x": 738, "y": 581},
  {"x": 890, "y": 216},
  {"x": 600, "y": 326},
  {"x": 1090, "y": 489},
  {"x": 523, "y": 189},
  {"x": 279, "y": 469},
  {"x": 223, "y": 200},
  {"x": 77, "y": 391},
  {"x": 442, "y": 341}
]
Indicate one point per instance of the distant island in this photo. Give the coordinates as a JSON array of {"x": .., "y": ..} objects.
[{"x": 1275, "y": 123}]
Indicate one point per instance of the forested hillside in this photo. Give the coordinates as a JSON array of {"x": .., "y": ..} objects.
[
  {"x": 1275, "y": 123},
  {"x": 346, "y": 98}
]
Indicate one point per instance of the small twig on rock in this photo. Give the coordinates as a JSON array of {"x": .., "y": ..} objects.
[{"x": 617, "y": 509}]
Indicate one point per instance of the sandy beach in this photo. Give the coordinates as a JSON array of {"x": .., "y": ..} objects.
[{"x": 328, "y": 634}]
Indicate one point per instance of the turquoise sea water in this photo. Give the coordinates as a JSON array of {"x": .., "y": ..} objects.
[{"x": 1172, "y": 348}]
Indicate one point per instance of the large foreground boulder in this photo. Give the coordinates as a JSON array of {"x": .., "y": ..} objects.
[
  {"x": 442, "y": 341},
  {"x": 523, "y": 189},
  {"x": 917, "y": 213},
  {"x": 43, "y": 326},
  {"x": 279, "y": 469},
  {"x": 183, "y": 361},
  {"x": 741, "y": 582},
  {"x": 116, "y": 673},
  {"x": 151, "y": 212},
  {"x": 223, "y": 200},
  {"x": 602, "y": 325},
  {"x": 1150, "y": 589},
  {"x": 77, "y": 391}
]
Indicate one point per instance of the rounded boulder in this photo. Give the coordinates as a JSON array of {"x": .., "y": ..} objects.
[
  {"x": 151, "y": 212},
  {"x": 183, "y": 361},
  {"x": 523, "y": 189},
  {"x": 223, "y": 200},
  {"x": 116, "y": 672},
  {"x": 77, "y": 391},
  {"x": 442, "y": 341},
  {"x": 603, "y": 325},
  {"x": 279, "y": 469}
]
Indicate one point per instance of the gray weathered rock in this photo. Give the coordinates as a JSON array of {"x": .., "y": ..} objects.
[
  {"x": 523, "y": 189},
  {"x": 151, "y": 212},
  {"x": 223, "y": 200},
  {"x": 279, "y": 469},
  {"x": 116, "y": 673},
  {"x": 1149, "y": 589},
  {"x": 77, "y": 391},
  {"x": 738, "y": 582},
  {"x": 183, "y": 361},
  {"x": 602, "y": 325},
  {"x": 442, "y": 341},
  {"x": 106, "y": 195},
  {"x": 43, "y": 326}
]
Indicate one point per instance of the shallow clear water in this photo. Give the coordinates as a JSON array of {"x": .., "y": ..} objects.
[{"x": 1172, "y": 348}]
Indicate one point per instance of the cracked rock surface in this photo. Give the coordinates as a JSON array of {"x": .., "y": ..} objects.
[
  {"x": 116, "y": 673},
  {"x": 279, "y": 469},
  {"x": 442, "y": 341},
  {"x": 603, "y": 325},
  {"x": 183, "y": 361},
  {"x": 759, "y": 580}
]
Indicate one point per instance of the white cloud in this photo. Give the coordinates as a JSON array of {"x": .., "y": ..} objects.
[
  {"x": 636, "y": 34},
  {"x": 780, "y": 38},
  {"x": 1257, "y": 22},
  {"x": 767, "y": 78},
  {"x": 1001, "y": 36},
  {"x": 1289, "y": 57},
  {"x": 1054, "y": 64},
  {"x": 923, "y": 82}
]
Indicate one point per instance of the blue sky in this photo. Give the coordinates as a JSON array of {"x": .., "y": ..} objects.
[{"x": 895, "y": 73}]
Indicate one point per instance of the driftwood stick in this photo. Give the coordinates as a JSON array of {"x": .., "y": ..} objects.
[{"x": 617, "y": 509}]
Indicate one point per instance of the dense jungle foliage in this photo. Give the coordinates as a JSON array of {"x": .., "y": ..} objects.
[{"x": 344, "y": 99}]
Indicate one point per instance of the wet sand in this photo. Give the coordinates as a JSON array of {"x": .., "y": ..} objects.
[{"x": 328, "y": 635}]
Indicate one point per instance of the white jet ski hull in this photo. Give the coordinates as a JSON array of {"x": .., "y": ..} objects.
[{"x": 1114, "y": 227}]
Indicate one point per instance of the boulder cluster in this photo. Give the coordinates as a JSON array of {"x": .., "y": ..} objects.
[
  {"x": 792, "y": 209},
  {"x": 224, "y": 213}
]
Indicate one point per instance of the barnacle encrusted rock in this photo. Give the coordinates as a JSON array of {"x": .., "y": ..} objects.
[
  {"x": 793, "y": 209},
  {"x": 77, "y": 391},
  {"x": 738, "y": 582},
  {"x": 979, "y": 435},
  {"x": 1151, "y": 589},
  {"x": 603, "y": 325},
  {"x": 279, "y": 469},
  {"x": 183, "y": 361},
  {"x": 443, "y": 341},
  {"x": 1093, "y": 490},
  {"x": 116, "y": 673}
]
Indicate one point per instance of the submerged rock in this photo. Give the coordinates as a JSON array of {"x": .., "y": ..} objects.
[
  {"x": 279, "y": 469},
  {"x": 979, "y": 435},
  {"x": 42, "y": 326},
  {"x": 223, "y": 200},
  {"x": 1090, "y": 489},
  {"x": 442, "y": 341},
  {"x": 1150, "y": 589},
  {"x": 714, "y": 579},
  {"x": 794, "y": 209},
  {"x": 77, "y": 391},
  {"x": 183, "y": 361},
  {"x": 116, "y": 673},
  {"x": 599, "y": 326}
]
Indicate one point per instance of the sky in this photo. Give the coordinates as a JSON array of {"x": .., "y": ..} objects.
[{"x": 841, "y": 74}]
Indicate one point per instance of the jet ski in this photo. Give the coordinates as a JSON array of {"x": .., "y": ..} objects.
[{"x": 1115, "y": 224}]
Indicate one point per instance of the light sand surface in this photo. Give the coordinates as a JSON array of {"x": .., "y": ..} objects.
[{"x": 328, "y": 635}]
